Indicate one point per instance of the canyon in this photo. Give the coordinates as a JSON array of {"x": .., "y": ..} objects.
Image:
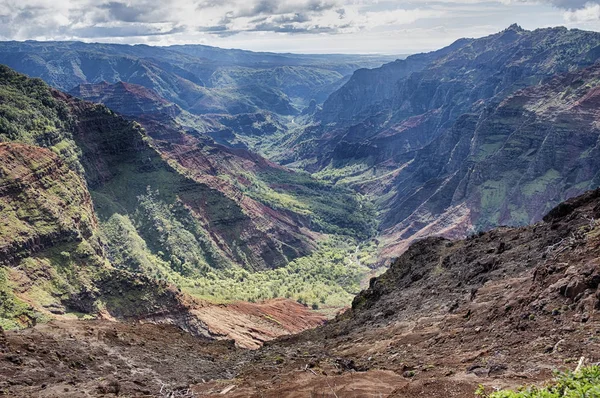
[{"x": 192, "y": 220}]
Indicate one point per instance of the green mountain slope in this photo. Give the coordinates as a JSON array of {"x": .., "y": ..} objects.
[
  {"x": 166, "y": 204},
  {"x": 52, "y": 260}
]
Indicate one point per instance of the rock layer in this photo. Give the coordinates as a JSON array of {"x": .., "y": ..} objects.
[{"x": 43, "y": 203}]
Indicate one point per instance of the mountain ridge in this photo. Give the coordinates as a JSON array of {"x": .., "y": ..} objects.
[{"x": 182, "y": 78}]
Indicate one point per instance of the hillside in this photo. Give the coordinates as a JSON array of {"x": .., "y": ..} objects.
[
  {"x": 45, "y": 206},
  {"x": 499, "y": 309},
  {"x": 156, "y": 113},
  {"x": 507, "y": 166},
  {"x": 53, "y": 260},
  {"x": 241, "y": 175},
  {"x": 238, "y": 97}
]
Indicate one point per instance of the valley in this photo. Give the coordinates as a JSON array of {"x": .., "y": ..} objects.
[{"x": 176, "y": 207}]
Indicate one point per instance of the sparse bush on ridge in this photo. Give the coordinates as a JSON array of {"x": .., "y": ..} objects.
[{"x": 584, "y": 383}]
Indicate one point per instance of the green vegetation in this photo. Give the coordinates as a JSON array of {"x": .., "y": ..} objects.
[
  {"x": 14, "y": 313},
  {"x": 343, "y": 172},
  {"x": 540, "y": 184},
  {"x": 47, "y": 279},
  {"x": 145, "y": 189},
  {"x": 127, "y": 249},
  {"x": 493, "y": 194},
  {"x": 581, "y": 384},
  {"x": 159, "y": 239},
  {"x": 331, "y": 209},
  {"x": 30, "y": 114},
  {"x": 330, "y": 276},
  {"x": 183, "y": 247},
  {"x": 156, "y": 241}
]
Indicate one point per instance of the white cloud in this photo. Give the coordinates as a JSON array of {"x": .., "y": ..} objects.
[
  {"x": 564, "y": 4},
  {"x": 120, "y": 18},
  {"x": 591, "y": 12},
  {"x": 289, "y": 25}
]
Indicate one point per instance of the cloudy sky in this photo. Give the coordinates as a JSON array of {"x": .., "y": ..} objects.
[{"x": 348, "y": 26}]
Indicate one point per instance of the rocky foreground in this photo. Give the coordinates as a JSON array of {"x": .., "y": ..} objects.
[{"x": 501, "y": 309}]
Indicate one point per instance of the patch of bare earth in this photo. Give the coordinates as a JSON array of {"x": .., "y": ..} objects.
[{"x": 252, "y": 324}]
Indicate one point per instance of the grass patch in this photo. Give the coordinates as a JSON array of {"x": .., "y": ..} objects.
[
  {"x": 331, "y": 209},
  {"x": 540, "y": 184}
]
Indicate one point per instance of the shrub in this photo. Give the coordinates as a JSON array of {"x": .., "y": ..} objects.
[{"x": 582, "y": 384}]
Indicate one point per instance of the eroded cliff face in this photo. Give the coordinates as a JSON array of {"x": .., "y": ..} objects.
[
  {"x": 52, "y": 256},
  {"x": 483, "y": 133},
  {"x": 507, "y": 166},
  {"x": 50, "y": 249},
  {"x": 129, "y": 99},
  {"x": 275, "y": 215}
]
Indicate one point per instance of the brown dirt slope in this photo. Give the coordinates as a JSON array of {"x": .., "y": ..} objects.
[{"x": 252, "y": 324}]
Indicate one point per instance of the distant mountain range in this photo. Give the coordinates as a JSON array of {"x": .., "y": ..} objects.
[{"x": 199, "y": 79}]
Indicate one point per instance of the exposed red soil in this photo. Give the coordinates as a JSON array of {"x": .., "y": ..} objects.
[{"x": 250, "y": 325}]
